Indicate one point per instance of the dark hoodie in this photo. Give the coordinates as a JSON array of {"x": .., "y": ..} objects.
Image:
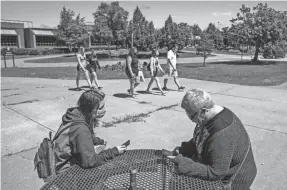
[{"x": 75, "y": 145}]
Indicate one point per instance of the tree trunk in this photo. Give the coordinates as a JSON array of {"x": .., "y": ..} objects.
[
  {"x": 109, "y": 50},
  {"x": 255, "y": 58},
  {"x": 242, "y": 53},
  {"x": 204, "y": 57}
]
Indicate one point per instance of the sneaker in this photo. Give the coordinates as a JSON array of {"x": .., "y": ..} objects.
[
  {"x": 148, "y": 91},
  {"x": 163, "y": 93},
  {"x": 165, "y": 89},
  {"x": 78, "y": 89},
  {"x": 100, "y": 87},
  {"x": 92, "y": 88},
  {"x": 129, "y": 91},
  {"x": 181, "y": 88}
]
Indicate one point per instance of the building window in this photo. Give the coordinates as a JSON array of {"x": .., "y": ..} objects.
[
  {"x": 45, "y": 41},
  {"x": 11, "y": 41}
]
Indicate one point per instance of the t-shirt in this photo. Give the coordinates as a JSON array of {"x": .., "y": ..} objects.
[
  {"x": 82, "y": 59},
  {"x": 172, "y": 57},
  {"x": 154, "y": 62},
  {"x": 92, "y": 60}
]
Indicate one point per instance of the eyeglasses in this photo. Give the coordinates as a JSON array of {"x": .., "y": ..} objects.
[{"x": 191, "y": 117}]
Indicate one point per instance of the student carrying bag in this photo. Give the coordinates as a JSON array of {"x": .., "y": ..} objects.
[{"x": 44, "y": 160}]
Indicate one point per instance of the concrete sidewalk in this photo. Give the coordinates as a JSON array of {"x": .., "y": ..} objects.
[
  {"x": 33, "y": 107},
  {"x": 217, "y": 57}
]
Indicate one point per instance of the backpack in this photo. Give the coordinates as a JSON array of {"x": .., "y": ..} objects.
[
  {"x": 44, "y": 160},
  {"x": 148, "y": 66}
]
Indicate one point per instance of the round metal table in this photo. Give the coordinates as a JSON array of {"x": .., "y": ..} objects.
[{"x": 153, "y": 172}]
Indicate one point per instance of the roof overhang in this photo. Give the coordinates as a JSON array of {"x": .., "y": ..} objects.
[
  {"x": 43, "y": 33},
  {"x": 8, "y": 32}
]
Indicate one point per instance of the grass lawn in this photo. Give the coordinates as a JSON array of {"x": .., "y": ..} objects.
[
  {"x": 104, "y": 55},
  {"x": 234, "y": 72}
]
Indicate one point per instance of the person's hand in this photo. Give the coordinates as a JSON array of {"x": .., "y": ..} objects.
[
  {"x": 171, "y": 157},
  {"x": 121, "y": 149},
  {"x": 133, "y": 75},
  {"x": 176, "y": 151}
]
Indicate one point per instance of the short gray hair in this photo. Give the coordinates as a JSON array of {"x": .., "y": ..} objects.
[{"x": 196, "y": 99}]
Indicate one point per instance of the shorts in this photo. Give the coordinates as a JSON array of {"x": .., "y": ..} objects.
[
  {"x": 171, "y": 73},
  {"x": 90, "y": 68},
  {"x": 129, "y": 75},
  {"x": 155, "y": 73},
  {"x": 141, "y": 76}
]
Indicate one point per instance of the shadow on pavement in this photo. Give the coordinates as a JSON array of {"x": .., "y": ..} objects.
[
  {"x": 84, "y": 87},
  {"x": 75, "y": 89},
  {"x": 122, "y": 95},
  {"x": 143, "y": 92}
]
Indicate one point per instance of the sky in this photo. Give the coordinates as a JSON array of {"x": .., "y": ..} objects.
[{"x": 192, "y": 12}]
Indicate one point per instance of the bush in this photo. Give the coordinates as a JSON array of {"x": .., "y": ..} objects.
[
  {"x": 21, "y": 51},
  {"x": 273, "y": 52},
  {"x": 35, "y": 52},
  {"x": 243, "y": 49}
]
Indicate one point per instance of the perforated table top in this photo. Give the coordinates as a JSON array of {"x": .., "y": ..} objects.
[{"x": 153, "y": 172}]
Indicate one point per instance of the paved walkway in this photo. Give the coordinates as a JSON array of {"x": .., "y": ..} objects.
[
  {"x": 217, "y": 57},
  {"x": 33, "y": 107}
]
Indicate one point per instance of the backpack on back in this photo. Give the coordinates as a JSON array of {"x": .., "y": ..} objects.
[
  {"x": 44, "y": 160},
  {"x": 148, "y": 66}
]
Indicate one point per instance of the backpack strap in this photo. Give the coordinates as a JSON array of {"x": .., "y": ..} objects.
[
  {"x": 245, "y": 156},
  {"x": 66, "y": 127}
]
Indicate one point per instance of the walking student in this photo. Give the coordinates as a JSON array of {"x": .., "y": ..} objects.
[
  {"x": 92, "y": 67},
  {"x": 154, "y": 69},
  {"x": 171, "y": 70},
  {"x": 132, "y": 70},
  {"x": 82, "y": 65}
]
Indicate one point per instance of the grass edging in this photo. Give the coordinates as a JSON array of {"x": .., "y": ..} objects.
[{"x": 132, "y": 118}]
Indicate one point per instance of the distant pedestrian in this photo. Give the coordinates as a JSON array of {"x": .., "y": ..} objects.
[
  {"x": 171, "y": 70},
  {"x": 141, "y": 75},
  {"x": 92, "y": 67},
  {"x": 154, "y": 68},
  {"x": 132, "y": 70},
  {"x": 82, "y": 65}
]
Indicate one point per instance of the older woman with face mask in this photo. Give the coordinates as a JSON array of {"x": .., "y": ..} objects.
[
  {"x": 220, "y": 148},
  {"x": 75, "y": 144}
]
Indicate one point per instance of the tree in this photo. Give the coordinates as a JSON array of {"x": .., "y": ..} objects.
[
  {"x": 168, "y": 27},
  {"x": 261, "y": 25},
  {"x": 205, "y": 48},
  {"x": 214, "y": 34},
  {"x": 139, "y": 28},
  {"x": 72, "y": 32},
  {"x": 196, "y": 31},
  {"x": 66, "y": 18},
  {"x": 110, "y": 23},
  {"x": 185, "y": 33},
  {"x": 225, "y": 36}
]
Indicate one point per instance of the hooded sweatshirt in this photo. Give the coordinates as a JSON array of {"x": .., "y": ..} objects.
[{"x": 75, "y": 145}]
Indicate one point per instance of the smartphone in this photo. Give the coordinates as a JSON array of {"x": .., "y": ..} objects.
[{"x": 126, "y": 143}]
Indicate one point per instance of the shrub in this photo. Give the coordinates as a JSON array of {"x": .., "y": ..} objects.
[
  {"x": 273, "y": 52},
  {"x": 21, "y": 51},
  {"x": 35, "y": 52}
]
